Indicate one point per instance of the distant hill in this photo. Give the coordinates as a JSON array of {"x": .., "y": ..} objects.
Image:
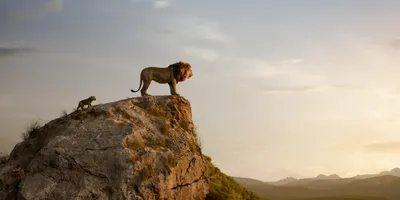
[
  {"x": 393, "y": 172},
  {"x": 378, "y": 187},
  {"x": 310, "y": 182},
  {"x": 284, "y": 181},
  {"x": 225, "y": 187}
]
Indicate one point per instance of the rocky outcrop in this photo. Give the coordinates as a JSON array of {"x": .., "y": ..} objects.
[{"x": 139, "y": 148}]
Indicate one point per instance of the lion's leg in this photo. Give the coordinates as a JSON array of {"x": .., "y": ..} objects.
[
  {"x": 79, "y": 105},
  {"x": 172, "y": 87},
  {"x": 146, "y": 85}
]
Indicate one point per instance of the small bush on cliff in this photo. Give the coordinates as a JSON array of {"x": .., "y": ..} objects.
[
  {"x": 3, "y": 158},
  {"x": 156, "y": 142},
  {"x": 31, "y": 130},
  {"x": 185, "y": 124},
  {"x": 164, "y": 127},
  {"x": 171, "y": 161},
  {"x": 195, "y": 145},
  {"x": 136, "y": 144},
  {"x": 64, "y": 113},
  {"x": 145, "y": 173},
  {"x": 224, "y": 187}
]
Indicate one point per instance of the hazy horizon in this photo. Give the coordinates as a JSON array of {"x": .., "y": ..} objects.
[{"x": 291, "y": 88}]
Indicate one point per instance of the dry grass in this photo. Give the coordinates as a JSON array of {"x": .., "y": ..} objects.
[
  {"x": 158, "y": 111},
  {"x": 31, "y": 130},
  {"x": 196, "y": 144},
  {"x": 164, "y": 114},
  {"x": 156, "y": 143},
  {"x": 185, "y": 124},
  {"x": 165, "y": 126},
  {"x": 198, "y": 140},
  {"x": 171, "y": 161},
  {"x": 163, "y": 143},
  {"x": 136, "y": 144},
  {"x": 145, "y": 173},
  {"x": 64, "y": 113}
]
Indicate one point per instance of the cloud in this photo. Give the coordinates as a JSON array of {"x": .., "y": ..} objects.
[
  {"x": 384, "y": 147},
  {"x": 7, "y": 51},
  {"x": 210, "y": 31},
  {"x": 285, "y": 76},
  {"x": 296, "y": 60},
  {"x": 260, "y": 68},
  {"x": 196, "y": 29},
  {"x": 33, "y": 10},
  {"x": 161, "y": 4},
  {"x": 155, "y": 3},
  {"x": 305, "y": 88},
  {"x": 203, "y": 53}
]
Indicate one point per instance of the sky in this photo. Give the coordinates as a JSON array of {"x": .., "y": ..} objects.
[{"x": 280, "y": 88}]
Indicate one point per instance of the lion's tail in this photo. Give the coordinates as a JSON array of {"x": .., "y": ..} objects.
[{"x": 140, "y": 85}]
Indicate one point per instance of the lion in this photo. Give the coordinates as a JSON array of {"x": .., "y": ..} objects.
[
  {"x": 87, "y": 102},
  {"x": 173, "y": 74}
]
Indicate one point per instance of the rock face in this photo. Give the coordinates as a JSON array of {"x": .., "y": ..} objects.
[{"x": 139, "y": 148}]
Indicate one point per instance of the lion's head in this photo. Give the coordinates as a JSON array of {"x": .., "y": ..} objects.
[
  {"x": 93, "y": 98},
  {"x": 182, "y": 71}
]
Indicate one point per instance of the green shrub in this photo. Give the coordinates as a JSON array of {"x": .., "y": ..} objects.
[
  {"x": 223, "y": 187},
  {"x": 136, "y": 144},
  {"x": 163, "y": 143}
]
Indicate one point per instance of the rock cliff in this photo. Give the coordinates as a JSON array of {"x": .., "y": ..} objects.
[{"x": 138, "y": 148}]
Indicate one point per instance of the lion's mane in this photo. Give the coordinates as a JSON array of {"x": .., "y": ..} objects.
[{"x": 182, "y": 70}]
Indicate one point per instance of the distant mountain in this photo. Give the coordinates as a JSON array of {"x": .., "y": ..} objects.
[
  {"x": 393, "y": 172},
  {"x": 290, "y": 181},
  {"x": 384, "y": 185},
  {"x": 284, "y": 181},
  {"x": 323, "y": 177},
  {"x": 248, "y": 181}
]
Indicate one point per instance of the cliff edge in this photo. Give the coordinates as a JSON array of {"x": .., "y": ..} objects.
[{"x": 138, "y": 148}]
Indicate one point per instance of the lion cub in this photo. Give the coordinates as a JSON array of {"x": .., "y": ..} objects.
[{"x": 87, "y": 102}]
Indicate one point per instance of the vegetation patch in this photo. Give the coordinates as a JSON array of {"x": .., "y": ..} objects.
[
  {"x": 163, "y": 143},
  {"x": 224, "y": 187},
  {"x": 31, "y": 130},
  {"x": 158, "y": 111},
  {"x": 171, "y": 161},
  {"x": 145, "y": 173},
  {"x": 64, "y": 113},
  {"x": 3, "y": 158},
  {"x": 165, "y": 126},
  {"x": 136, "y": 144},
  {"x": 185, "y": 124},
  {"x": 196, "y": 144},
  {"x": 159, "y": 142}
]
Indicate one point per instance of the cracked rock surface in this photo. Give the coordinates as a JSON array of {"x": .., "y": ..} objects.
[{"x": 138, "y": 148}]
